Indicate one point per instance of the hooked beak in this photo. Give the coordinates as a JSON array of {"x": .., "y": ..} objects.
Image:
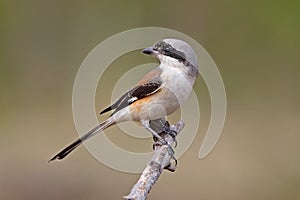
[{"x": 149, "y": 51}]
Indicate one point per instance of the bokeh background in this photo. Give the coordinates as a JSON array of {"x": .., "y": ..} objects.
[{"x": 256, "y": 46}]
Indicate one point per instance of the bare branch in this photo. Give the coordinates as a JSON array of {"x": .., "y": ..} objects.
[{"x": 162, "y": 159}]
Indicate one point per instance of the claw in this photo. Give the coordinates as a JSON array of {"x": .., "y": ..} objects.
[
  {"x": 175, "y": 143},
  {"x": 159, "y": 143},
  {"x": 158, "y": 131},
  {"x": 172, "y": 167}
]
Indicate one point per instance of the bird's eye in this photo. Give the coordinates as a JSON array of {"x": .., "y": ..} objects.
[{"x": 168, "y": 49}]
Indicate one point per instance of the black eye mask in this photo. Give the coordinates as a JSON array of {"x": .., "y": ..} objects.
[{"x": 168, "y": 50}]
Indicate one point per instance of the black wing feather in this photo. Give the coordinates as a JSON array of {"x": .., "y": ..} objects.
[
  {"x": 114, "y": 105},
  {"x": 132, "y": 95}
]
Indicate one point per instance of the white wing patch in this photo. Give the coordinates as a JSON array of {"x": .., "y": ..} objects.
[{"x": 131, "y": 100}]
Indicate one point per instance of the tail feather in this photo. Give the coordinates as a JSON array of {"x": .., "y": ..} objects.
[{"x": 62, "y": 154}]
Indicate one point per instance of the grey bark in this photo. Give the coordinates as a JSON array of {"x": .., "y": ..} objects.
[{"x": 162, "y": 159}]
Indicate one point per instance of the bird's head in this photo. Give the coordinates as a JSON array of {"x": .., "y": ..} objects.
[{"x": 175, "y": 53}]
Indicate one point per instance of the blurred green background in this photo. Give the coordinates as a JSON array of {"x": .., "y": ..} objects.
[{"x": 256, "y": 46}]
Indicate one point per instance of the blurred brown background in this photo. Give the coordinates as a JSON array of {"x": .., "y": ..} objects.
[{"x": 256, "y": 46}]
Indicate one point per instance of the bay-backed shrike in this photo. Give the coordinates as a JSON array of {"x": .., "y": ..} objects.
[{"x": 157, "y": 95}]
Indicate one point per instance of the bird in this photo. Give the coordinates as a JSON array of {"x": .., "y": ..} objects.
[{"x": 158, "y": 94}]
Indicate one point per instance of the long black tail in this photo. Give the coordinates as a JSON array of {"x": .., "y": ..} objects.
[{"x": 86, "y": 136}]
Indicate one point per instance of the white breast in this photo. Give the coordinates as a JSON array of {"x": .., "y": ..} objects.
[{"x": 177, "y": 82}]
